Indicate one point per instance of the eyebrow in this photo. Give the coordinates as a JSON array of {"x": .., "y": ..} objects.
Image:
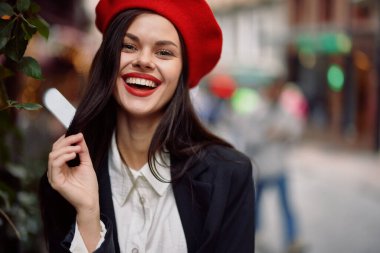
[{"x": 159, "y": 43}]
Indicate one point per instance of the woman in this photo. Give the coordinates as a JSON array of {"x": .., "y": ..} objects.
[{"x": 150, "y": 177}]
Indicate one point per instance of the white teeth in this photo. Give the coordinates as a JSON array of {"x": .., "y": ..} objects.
[{"x": 141, "y": 81}]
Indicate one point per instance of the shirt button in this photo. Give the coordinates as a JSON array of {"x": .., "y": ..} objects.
[
  {"x": 135, "y": 250},
  {"x": 142, "y": 199}
]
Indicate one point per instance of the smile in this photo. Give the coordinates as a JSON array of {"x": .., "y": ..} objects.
[{"x": 139, "y": 84}]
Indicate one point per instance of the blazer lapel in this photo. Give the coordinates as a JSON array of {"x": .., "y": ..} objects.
[
  {"x": 105, "y": 199},
  {"x": 192, "y": 198}
]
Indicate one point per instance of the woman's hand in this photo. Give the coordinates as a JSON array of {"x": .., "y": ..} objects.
[{"x": 78, "y": 185}]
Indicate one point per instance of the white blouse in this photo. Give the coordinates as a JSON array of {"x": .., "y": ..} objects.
[{"x": 146, "y": 213}]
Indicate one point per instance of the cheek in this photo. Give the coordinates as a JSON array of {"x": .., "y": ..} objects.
[
  {"x": 175, "y": 72},
  {"x": 118, "y": 89},
  {"x": 174, "y": 82},
  {"x": 124, "y": 60}
]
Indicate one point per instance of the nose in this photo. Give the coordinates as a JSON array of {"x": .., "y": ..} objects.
[{"x": 144, "y": 61}]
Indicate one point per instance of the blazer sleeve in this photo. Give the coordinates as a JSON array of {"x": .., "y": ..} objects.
[
  {"x": 237, "y": 232},
  {"x": 106, "y": 247}
]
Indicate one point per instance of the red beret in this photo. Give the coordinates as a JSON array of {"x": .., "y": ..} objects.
[{"x": 194, "y": 20}]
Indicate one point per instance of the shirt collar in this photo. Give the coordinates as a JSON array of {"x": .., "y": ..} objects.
[
  {"x": 122, "y": 179},
  {"x": 164, "y": 172}
]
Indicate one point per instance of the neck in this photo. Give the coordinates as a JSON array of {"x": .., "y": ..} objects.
[{"x": 133, "y": 138}]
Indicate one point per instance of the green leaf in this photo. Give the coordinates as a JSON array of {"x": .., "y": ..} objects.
[
  {"x": 5, "y": 31},
  {"x": 27, "y": 36},
  {"x": 16, "y": 46},
  {"x": 28, "y": 29},
  {"x": 41, "y": 24},
  {"x": 30, "y": 67},
  {"x": 12, "y": 102},
  {"x": 3, "y": 41},
  {"x": 22, "y": 5},
  {"x": 25, "y": 106},
  {"x": 6, "y": 27},
  {"x": 6, "y": 10},
  {"x": 29, "y": 106},
  {"x": 34, "y": 8}
]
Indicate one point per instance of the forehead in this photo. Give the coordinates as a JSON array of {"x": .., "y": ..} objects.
[{"x": 153, "y": 25}]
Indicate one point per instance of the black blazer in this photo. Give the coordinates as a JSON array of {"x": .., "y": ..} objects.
[{"x": 215, "y": 200}]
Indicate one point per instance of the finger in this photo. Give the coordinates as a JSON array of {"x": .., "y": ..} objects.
[
  {"x": 60, "y": 162},
  {"x": 53, "y": 147},
  {"x": 49, "y": 169},
  {"x": 66, "y": 149},
  {"x": 67, "y": 141},
  {"x": 59, "y": 148},
  {"x": 59, "y": 152},
  {"x": 48, "y": 173},
  {"x": 84, "y": 154},
  {"x": 57, "y": 168}
]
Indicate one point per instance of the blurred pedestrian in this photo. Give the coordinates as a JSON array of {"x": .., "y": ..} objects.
[
  {"x": 150, "y": 177},
  {"x": 275, "y": 127}
]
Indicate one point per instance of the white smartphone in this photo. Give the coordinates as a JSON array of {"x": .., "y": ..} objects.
[{"x": 59, "y": 106}]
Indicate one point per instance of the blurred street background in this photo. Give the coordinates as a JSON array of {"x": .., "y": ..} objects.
[{"x": 297, "y": 89}]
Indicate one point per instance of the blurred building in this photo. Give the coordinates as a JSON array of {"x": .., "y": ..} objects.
[
  {"x": 255, "y": 36},
  {"x": 336, "y": 63},
  {"x": 330, "y": 48}
]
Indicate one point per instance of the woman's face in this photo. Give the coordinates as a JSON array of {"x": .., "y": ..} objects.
[{"x": 150, "y": 66}]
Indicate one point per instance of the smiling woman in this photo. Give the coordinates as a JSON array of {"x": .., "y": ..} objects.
[{"x": 151, "y": 177}]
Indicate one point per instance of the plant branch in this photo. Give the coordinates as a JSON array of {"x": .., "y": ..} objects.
[{"x": 11, "y": 223}]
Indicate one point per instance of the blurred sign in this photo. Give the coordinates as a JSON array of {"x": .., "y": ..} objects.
[
  {"x": 327, "y": 42},
  {"x": 252, "y": 77}
]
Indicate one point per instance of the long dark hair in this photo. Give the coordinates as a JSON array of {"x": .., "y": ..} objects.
[{"x": 179, "y": 132}]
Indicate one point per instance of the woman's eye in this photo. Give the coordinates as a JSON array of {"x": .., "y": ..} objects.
[
  {"x": 165, "y": 53},
  {"x": 129, "y": 47}
]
